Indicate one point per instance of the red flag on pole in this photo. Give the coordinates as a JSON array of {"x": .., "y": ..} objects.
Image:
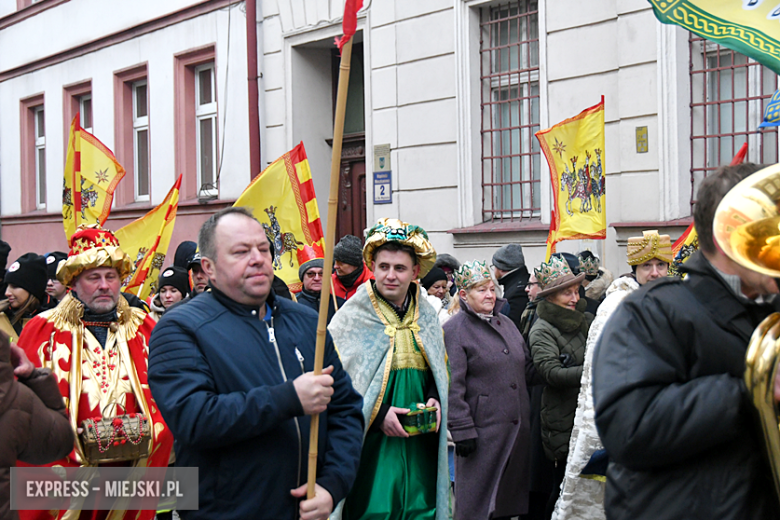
[
  {"x": 688, "y": 242},
  {"x": 740, "y": 157},
  {"x": 349, "y": 25}
]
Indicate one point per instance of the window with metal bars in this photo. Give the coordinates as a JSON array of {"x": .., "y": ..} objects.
[
  {"x": 729, "y": 93},
  {"x": 509, "y": 92}
]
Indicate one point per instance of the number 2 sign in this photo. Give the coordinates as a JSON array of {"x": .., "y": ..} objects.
[{"x": 383, "y": 189}]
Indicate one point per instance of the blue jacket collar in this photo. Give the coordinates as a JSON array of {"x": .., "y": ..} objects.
[{"x": 241, "y": 309}]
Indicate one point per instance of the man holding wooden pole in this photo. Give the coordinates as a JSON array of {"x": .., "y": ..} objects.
[{"x": 232, "y": 374}]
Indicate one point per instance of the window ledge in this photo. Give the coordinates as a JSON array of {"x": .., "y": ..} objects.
[
  {"x": 502, "y": 227},
  {"x": 132, "y": 206},
  {"x": 197, "y": 202},
  {"x": 36, "y": 216},
  {"x": 650, "y": 224}
]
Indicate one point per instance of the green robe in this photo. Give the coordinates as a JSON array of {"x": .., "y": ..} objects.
[{"x": 399, "y": 478}]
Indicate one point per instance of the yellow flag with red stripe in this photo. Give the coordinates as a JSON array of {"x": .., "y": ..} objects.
[
  {"x": 146, "y": 240},
  {"x": 92, "y": 173},
  {"x": 574, "y": 150},
  {"x": 282, "y": 198}
]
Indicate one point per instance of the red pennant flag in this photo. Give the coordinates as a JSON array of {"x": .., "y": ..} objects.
[
  {"x": 349, "y": 25},
  {"x": 740, "y": 157}
]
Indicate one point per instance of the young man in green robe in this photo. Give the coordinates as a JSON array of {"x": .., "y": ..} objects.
[{"x": 392, "y": 346}]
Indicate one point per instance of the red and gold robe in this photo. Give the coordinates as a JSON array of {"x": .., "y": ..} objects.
[{"x": 97, "y": 381}]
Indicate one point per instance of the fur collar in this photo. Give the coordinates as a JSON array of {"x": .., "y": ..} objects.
[{"x": 563, "y": 319}]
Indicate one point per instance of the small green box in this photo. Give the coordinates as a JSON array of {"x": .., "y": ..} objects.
[{"x": 419, "y": 420}]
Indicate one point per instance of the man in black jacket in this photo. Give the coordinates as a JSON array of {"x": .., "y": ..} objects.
[
  {"x": 310, "y": 274},
  {"x": 512, "y": 275},
  {"x": 671, "y": 406},
  {"x": 231, "y": 372}
]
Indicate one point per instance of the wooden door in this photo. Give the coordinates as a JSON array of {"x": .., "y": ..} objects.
[{"x": 352, "y": 190}]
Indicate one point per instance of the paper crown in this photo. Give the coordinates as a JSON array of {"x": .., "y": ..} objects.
[
  {"x": 651, "y": 245},
  {"x": 91, "y": 246},
  {"x": 312, "y": 252},
  {"x": 393, "y": 230},
  {"x": 470, "y": 274},
  {"x": 556, "y": 275},
  {"x": 552, "y": 270},
  {"x": 589, "y": 265}
]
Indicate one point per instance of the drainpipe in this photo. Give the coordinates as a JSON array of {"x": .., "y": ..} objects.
[{"x": 254, "y": 97}]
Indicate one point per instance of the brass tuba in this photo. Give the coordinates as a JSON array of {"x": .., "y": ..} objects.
[{"x": 747, "y": 229}]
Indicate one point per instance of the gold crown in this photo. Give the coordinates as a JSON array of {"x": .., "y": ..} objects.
[
  {"x": 551, "y": 271},
  {"x": 393, "y": 230},
  {"x": 589, "y": 265},
  {"x": 471, "y": 273},
  {"x": 650, "y": 245},
  {"x": 92, "y": 246}
]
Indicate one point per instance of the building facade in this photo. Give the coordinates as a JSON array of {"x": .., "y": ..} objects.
[
  {"x": 162, "y": 84},
  {"x": 445, "y": 95}
]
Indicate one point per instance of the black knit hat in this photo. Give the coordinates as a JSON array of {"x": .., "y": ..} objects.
[
  {"x": 349, "y": 250},
  {"x": 436, "y": 274},
  {"x": 53, "y": 260},
  {"x": 184, "y": 253},
  {"x": 29, "y": 273},
  {"x": 175, "y": 277}
]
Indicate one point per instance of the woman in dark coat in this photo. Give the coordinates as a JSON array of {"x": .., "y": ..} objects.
[
  {"x": 557, "y": 341},
  {"x": 489, "y": 409}
]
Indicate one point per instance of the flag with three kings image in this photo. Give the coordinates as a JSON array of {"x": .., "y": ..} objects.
[
  {"x": 146, "y": 240},
  {"x": 92, "y": 173},
  {"x": 574, "y": 149},
  {"x": 282, "y": 198}
]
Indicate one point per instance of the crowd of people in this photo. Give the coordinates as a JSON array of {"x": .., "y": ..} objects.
[{"x": 474, "y": 390}]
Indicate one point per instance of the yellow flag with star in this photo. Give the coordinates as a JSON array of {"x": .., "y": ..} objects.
[
  {"x": 574, "y": 150},
  {"x": 92, "y": 173}
]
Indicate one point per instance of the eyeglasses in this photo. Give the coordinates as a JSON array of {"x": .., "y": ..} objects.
[
  {"x": 312, "y": 274},
  {"x": 531, "y": 283}
]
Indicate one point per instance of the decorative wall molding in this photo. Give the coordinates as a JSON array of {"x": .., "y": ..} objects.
[{"x": 673, "y": 122}]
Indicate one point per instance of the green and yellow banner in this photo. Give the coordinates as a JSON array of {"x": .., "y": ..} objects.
[{"x": 751, "y": 27}]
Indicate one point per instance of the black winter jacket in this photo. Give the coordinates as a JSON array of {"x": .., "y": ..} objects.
[
  {"x": 671, "y": 407},
  {"x": 235, "y": 414},
  {"x": 312, "y": 301},
  {"x": 514, "y": 293}
]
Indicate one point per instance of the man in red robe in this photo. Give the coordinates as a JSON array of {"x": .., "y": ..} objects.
[{"x": 96, "y": 345}]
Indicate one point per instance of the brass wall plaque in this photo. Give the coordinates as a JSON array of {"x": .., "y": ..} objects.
[{"x": 641, "y": 139}]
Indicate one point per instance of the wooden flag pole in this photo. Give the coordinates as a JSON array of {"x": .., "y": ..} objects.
[{"x": 330, "y": 239}]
